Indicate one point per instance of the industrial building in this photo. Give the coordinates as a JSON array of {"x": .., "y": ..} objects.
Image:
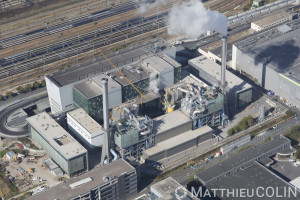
[
  {"x": 132, "y": 133},
  {"x": 243, "y": 160},
  {"x": 257, "y": 178},
  {"x": 271, "y": 59},
  {"x": 167, "y": 189},
  {"x": 59, "y": 84},
  {"x": 71, "y": 156},
  {"x": 177, "y": 144},
  {"x": 129, "y": 60},
  {"x": 88, "y": 96},
  {"x": 271, "y": 20},
  {"x": 85, "y": 128},
  {"x": 201, "y": 103},
  {"x": 238, "y": 92},
  {"x": 115, "y": 181}
]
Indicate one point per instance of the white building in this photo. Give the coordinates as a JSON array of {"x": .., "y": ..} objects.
[
  {"x": 86, "y": 128},
  {"x": 271, "y": 20}
]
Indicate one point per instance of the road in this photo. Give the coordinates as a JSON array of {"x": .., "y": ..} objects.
[{"x": 15, "y": 103}]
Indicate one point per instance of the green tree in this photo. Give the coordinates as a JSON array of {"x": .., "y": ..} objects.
[
  {"x": 36, "y": 84},
  {"x": 20, "y": 89},
  {"x": 230, "y": 132},
  {"x": 236, "y": 129},
  {"x": 289, "y": 113},
  {"x": 243, "y": 125},
  {"x": 43, "y": 83},
  {"x": 28, "y": 87},
  {"x": 9, "y": 94},
  {"x": 250, "y": 121}
]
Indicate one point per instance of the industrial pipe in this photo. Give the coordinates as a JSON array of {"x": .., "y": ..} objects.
[
  {"x": 223, "y": 68},
  {"x": 105, "y": 115}
]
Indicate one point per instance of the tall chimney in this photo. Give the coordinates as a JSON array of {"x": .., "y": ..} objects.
[
  {"x": 223, "y": 70},
  {"x": 105, "y": 150}
]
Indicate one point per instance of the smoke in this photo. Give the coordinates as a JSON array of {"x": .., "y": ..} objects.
[
  {"x": 146, "y": 5},
  {"x": 153, "y": 84},
  {"x": 192, "y": 19}
]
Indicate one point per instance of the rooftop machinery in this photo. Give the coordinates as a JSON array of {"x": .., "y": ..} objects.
[
  {"x": 202, "y": 104},
  {"x": 131, "y": 133}
]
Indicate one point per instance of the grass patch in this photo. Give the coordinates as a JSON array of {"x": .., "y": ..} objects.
[{"x": 13, "y": 191}]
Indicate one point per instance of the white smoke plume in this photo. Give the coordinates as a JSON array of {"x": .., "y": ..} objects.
[
  {"x": 153, "y": 84},
  {"x": 192, "y": 19},
  {"x": 146, "y": 5}
]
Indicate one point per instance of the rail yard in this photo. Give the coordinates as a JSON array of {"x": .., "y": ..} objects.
[{"x": 48, "y": 43}]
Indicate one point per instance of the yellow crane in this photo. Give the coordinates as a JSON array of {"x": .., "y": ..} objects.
[{"x": 141, "y": 94}]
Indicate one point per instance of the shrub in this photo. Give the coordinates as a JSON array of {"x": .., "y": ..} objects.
[
  {"x": 9, "y": 94},
  {"x": 20, "y": 89},
  {"x": 1, "y": 97},
  {"x": 230, "y": 132},
  {"x": 43, "y": 83},
  {"x": 250, "y": 121},
  {"x": 36, "y": 84},
  {"x": 28, "y": 87}
]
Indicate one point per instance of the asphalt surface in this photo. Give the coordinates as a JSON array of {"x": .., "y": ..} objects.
[{"x": 10, "y": 105}]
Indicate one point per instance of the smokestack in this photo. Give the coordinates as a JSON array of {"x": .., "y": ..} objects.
[
  {"x": 224, "y": 57},
  {"x": 105, "y": 150}
]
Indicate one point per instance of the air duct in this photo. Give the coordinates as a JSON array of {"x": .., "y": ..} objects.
[
  {"x": 105, "y": 150},
  {"x": 223, "y": 70}
]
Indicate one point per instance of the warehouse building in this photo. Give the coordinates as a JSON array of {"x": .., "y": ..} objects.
[
  {"x": 58, "y": 143},
  {"x": 169, "y": 189},
  {"x": 271, "y": 20},
  {"x": 115, "y": 181},
  {"x": 177, "y": 144},
  {"x": 88, "y": 96},
  {"x": 256, "y": 178},
  {"x": 86, "y": 128},
  {"x": 238, "y": 92},
  {"x": 271, "y": 59},
  {"x": 243, "y": 160}
]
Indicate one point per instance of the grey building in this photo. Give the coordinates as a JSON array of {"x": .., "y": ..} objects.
[
  {"x": 169, "y": 189},
  {"x": 243, "y": 160},
  {"x": 115, "y": 181},
  {"x": 238, "y": 92},
  {"x": 71, "y": 156},
  {"x": 178, "y": 144},
  {"x": 271, "y": 59}
]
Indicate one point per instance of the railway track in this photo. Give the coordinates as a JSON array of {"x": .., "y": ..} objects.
[{"x": 74, "y": 46}]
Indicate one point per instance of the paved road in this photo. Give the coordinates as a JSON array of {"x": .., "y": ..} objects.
[{"x": 12, "y": 104}]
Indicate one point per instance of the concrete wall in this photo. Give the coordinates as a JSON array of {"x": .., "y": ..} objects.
[
  {"x": 267, "y": 77},
  {"x": 94, "y": 139}
]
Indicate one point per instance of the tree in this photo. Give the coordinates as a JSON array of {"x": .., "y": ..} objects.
[
  {"x": 230, "y": 132},
  {"x": 250, "y": 121},
  {"x": 9, "y": 94},
  {"x": 20, "y": 89},
  {"x": 43, "y": 83},
  {"x": 1, "y": 97},
  {"x": 289, "y": 113},
  {"x": 36, "y": 84},
  {"x": 28, "y": 87},
  {"x": 236, "y": 129},
  {"x": 243, "y": 125}
]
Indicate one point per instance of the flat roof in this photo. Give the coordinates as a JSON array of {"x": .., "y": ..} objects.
[
  {"x": 134, "y": 72},
  {"x": 85, "y": 120},
  {"x": 166, "y": 190},
  {"x": 171, "y": 61},
  {"x": 169, "y": 121},
  {"x": 241, "y": 158},
  {"x": 179, "y": 139},
  {"x": 64, "y": 191},
  {"x": 251, "y": 178},
  {"x": 158, "y": 64},
  {"x": 93, "y": 87},
  {"x": 100, "y": 65},
  {"x": 279, "y": 51},
  {"x": 58, "y": 137},
  {"x": 214, "y": 70},
  {"x": 272, "y": 18}
]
